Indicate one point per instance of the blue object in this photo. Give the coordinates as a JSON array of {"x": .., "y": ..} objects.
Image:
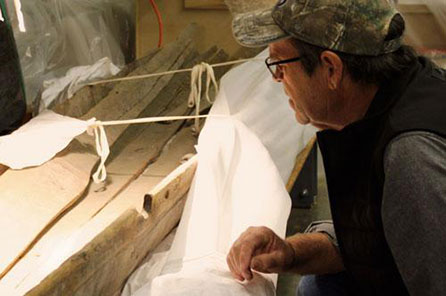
[{"x": 324, "y": 285}]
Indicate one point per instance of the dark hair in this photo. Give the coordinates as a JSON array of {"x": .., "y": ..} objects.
[{"x": 365, "y": 69}]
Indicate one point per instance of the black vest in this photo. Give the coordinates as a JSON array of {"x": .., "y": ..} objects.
[{"x": 353, "y": 159}]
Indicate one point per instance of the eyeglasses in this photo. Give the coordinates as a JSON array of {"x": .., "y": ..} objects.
[{"x": 274, "y": 66}]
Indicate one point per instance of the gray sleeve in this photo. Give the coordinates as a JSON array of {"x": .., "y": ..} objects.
[
  {"x": 414, "y": 210},
  {"x": 326, "y": 227}
]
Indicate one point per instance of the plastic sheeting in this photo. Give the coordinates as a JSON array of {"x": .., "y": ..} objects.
[
  {"x": 243, "y": 162},
  {"x": 56, "y": 35}
]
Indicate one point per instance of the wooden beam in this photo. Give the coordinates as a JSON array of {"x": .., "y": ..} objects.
[
  {"x": 98, "y": 269},
  {"x": 89, "y": 96},
  {"x": 32, "y": 200},
  {"x": 300, "y": 161},
  {"x": 123, "y": 244},
  {"x": 205, "y": 4},
  {"x": 174, "y": 185},
  {"x": 138, "y": 147},
  {"x": 413, "y": 9},
  {"x": 3, "y": 169}
]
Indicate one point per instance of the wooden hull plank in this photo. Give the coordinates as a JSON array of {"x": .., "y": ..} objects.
[
  {"x": 32, "y": 200},
  {"x": 124, "y": 243},
  {"x": 140, "y": 146}
]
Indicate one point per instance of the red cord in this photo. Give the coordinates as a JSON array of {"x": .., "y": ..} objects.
[{"x": 160, "y": 22}]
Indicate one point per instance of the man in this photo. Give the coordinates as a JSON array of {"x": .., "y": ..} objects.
[{"x": 382, "y": 115}]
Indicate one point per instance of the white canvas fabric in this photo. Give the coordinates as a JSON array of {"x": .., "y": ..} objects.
[
  {"x": 244, "y": 159},
  {"x": 39, "y": 140}
]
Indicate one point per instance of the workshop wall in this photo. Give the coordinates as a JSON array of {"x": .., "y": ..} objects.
[
  {"x": 423, "y": 30},
  {"x": 214, "y": 25}
]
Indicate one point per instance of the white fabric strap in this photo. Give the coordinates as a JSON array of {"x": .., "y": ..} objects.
[
  {"x": 96, "y": 129},
  {"x": 103, "y": 150},
  {"x": 145, "y": 76},
  {"x": 196, "y": 89}
]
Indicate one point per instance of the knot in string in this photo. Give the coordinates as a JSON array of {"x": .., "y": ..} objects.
[{"x": 196, "y": 88}]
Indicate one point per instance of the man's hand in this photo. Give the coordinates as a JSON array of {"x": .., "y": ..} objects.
[{"x": 260, "y": 249}]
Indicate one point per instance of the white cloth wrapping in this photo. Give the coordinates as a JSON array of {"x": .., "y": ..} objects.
[
  {"x": 244, "y": 160},
  {"x": 39, "y": 140}
]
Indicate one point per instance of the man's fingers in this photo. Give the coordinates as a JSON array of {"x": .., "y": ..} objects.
[
  {"x": 246, "y": 253},
  {"x": 232, "y": 267},
  {"x": 253, "y": 243},
  {"x": 250, "y": 243}
]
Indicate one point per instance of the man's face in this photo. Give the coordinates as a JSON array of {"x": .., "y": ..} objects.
[{"x": 307, "y": 94}]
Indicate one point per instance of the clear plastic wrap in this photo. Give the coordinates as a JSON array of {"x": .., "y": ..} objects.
[{"x": 56, "y": 35}]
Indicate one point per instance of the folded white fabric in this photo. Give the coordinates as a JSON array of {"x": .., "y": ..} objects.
[
  {"x": 236, "y": 185},
  {"x": 39, "y": 140},
  {"x": 209, "y": 276},
  {"x": 244, "y": 159}
]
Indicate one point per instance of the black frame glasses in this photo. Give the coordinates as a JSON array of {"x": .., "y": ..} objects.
[{"x": 272, "y": 66}]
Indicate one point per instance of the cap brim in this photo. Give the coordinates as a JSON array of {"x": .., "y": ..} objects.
[{"x": 257, "y": 28}]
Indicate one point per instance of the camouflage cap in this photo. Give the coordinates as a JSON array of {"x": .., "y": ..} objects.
[{"x": 356, "y": 27}]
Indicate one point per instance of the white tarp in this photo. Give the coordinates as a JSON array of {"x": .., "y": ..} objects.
[
  {"x": 243, "y": 162},
  {"x": 39, "y": 140}
]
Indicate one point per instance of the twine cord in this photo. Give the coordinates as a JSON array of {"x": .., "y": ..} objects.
[
  {"x": 96, "y": 127},
  {"x": 196, "y": 89}
]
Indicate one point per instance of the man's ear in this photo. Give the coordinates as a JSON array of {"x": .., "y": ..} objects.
[{"x": 332, "y": 67}]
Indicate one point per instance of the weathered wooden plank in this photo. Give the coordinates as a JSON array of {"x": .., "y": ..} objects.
[
  {"x": 33, "y": 199},
  {"x": 300, "y": 161},
  {"x": 123, "y": 244},
  {"x": 406, "y": 8},
  {"x": 139, "y": 146},
  {"x": 84, "y": 272},
  {"x": 205, "y": 4},
  {"x": 173, "y": 186},
  {"x": 88, "y": 96},
  {"x": 29, "y": 200},
  {"x": 3, "y": 169}
]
